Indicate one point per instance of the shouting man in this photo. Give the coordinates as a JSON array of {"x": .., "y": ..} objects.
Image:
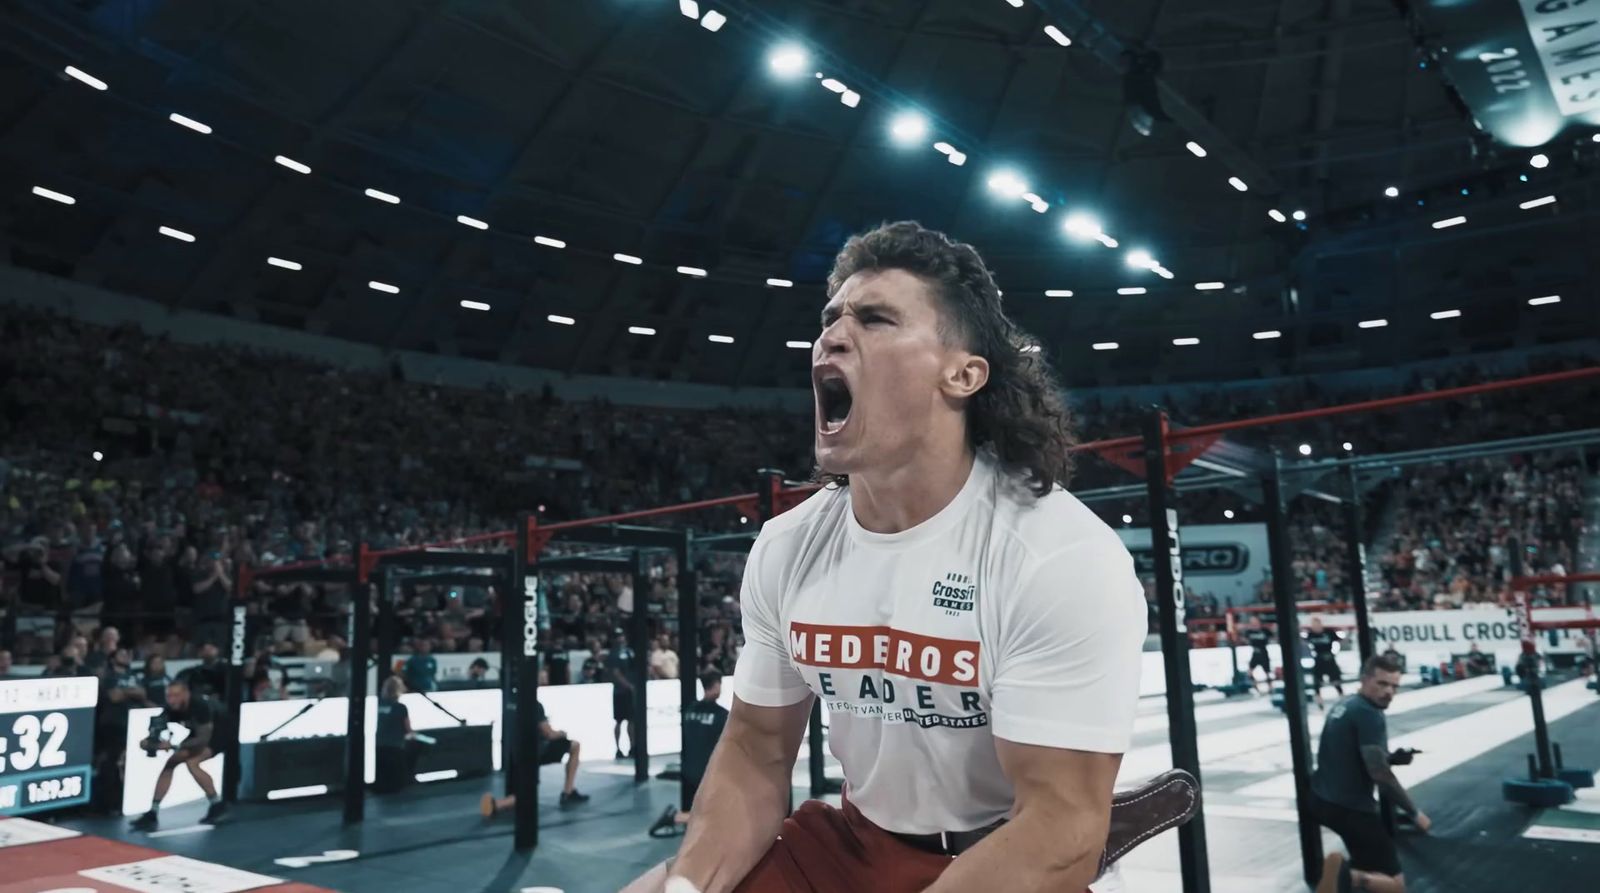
[{"x": 972, "y": 629}]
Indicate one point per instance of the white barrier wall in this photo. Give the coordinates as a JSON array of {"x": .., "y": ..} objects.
[{"x": 582, "y": 711}]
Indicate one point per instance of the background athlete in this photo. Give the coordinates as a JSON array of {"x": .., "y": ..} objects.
[
  {"x": 1324, "y": 666},
  {"x": 973, "y": 630},
  {"x": 1258, "y": 637}
]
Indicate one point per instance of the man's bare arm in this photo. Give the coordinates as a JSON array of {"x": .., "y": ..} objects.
[
  {"x": 740, "y": 806},
  {"x": 1057, "y": 828},
  {"x": 1377, "y": 763}
]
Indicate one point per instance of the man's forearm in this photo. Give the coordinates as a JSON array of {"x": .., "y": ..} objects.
[
  {"x": 1397, "y": 792},
  {"x": 1032, "y": 852},
  {"x": 738, "y": 812}
]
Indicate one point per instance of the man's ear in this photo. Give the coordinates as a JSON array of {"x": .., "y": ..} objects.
[{"x": 966, "y": 375}]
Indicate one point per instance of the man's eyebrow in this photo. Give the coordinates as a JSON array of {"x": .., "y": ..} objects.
[{"x": 873, "y": 306}]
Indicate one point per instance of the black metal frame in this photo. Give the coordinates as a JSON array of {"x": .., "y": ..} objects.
[
  {"x": 378, "y": 576},
  {"x": 356, "y": 641}
]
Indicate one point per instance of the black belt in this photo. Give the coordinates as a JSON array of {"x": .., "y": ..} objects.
[{"x": 947, "y": 843}]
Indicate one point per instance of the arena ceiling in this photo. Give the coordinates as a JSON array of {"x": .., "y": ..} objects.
[{"x": 531, "y": 143}]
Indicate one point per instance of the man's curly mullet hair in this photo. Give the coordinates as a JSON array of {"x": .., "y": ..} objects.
[{"x": 1019, "y": 413}]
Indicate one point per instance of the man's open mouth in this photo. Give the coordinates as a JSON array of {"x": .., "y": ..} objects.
[{"x": 833, "y": 402}]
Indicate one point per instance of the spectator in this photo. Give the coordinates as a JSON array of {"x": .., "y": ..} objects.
[
  {"x": 421, "y": 671},
  {"x": 154, "y": 679},
  {"x": 663, "y": 660},
  {"x": 5, "y": 664}
]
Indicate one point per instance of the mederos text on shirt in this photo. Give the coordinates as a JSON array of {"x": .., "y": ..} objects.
[{"x": 929, "y": 658}]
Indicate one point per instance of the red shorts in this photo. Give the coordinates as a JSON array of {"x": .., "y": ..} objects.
[{"x": 822, "y": 849}]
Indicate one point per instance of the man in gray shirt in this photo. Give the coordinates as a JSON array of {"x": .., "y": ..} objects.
[{"x": 1352, "y": 758}]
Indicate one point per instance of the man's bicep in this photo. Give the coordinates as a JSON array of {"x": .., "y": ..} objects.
[
  {"x": 773, "y": 733},
  {"x": 1070, "y": 786}
]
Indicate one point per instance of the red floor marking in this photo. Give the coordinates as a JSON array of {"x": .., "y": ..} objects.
[{"x": 54, "y": 865}]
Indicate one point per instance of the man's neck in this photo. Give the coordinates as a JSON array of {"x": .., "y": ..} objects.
[{"x": 901, "y": 498}]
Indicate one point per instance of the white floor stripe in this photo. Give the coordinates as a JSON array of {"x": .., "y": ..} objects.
[
  {"x": 1572, "y": 835},
  {"x": 1235, "y": 811},
  {"x": 1449, "y": 744},
  {"x": 1588, "y": 801},
  {"x": 174, "y": 832},
  {"x": 1207, "y": 713},
  {"x": 1215, "y": 747}
]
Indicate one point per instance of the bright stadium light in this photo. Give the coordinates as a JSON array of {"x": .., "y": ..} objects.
[
  {"x": 98, "y": 456},
  {"x": 1298, "y": 215},
  {"x": 1227, "y": 513},
  {"x": 1277, "y": 215},
  {"x": 690, "y": 8},
  {"x": 1305, "y": 449},
  {"x": 1058, "y": 292},
  {"x": 1106, "y": 240},
  {"x": 1198, "y": 150},
  {"x": 385, "y": 287},
  {"x": 720, "y": 339},
  {"x": 780, "y": 283},
  {"x": 1547, "y": 299},
  {"x": 473, "y": 222},
  {"x": 79, "y": 74},
  {"x": 474, "y": 305},
  {"x": 1540, "y": 161},
  {"x": 561, "y": 320},
  {"x": 1449, "y": 222},
  {"x": 1057, "y": 35},
  {"x": 788, "y": 60},
  {"x": 1139, "y": 259},
  {"x": 1104, "y": 345},
  {"x": 186, "y": 121},
  {"x": 627, "y": 259},
  {"x": 1132, "y": 290},
  {"x": 1392, "y": 192},
  {"x": 833, "y": 85},
  {"x": 1127, "y": 519},
  {"x": 713, "y": 21},
  {"x": 1081, "y": 226},
  {"x": 696, "y": 272},
  {"x": 1007, "y": 183},
  {"x": 1238, "y": 184},
  {"x": 641, "y": 330},
  {"x": 909, "y": 128},
  {"x": 549, "y": 242},
  {"x": 1268, "y": 335},
  {"x": 798, "y": 345},
  {"x": 1444, "y": 314},
  {"x": 1348, "y": 446},
  {"x": 178, "y": 234},
  {"x": 54, "y": 196},
  {"x": 1185, "y": 342},
  {"x": 1537, "y": 202},
  {"x": 382, "y": 196},
  {"x": 285, "y": 264},
  {"x": 1208, "y": 286},
  {"x": 293, "y": 165}
]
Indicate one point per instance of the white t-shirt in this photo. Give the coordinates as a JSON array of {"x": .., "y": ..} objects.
[{"x": 1001, "y": 616}]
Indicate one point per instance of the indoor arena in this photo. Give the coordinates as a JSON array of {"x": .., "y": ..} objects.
[{"x": 799, "y": 446}]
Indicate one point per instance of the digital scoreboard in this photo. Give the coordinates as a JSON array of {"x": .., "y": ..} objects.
[{"x": 46, "y": 742}]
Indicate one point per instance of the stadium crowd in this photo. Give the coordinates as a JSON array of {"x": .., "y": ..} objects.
[{"x": 139, "y": 476}]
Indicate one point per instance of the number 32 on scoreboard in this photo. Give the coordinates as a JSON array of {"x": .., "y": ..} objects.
[{"x": 25, "y": 753}]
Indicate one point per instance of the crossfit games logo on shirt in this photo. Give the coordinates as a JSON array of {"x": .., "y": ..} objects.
[{"x": 954, "y": 593}]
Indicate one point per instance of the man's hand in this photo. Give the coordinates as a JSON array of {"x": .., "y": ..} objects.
[
  {"x": 1058, "y": 827},
  {"x": 1423, "y": 822}
]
